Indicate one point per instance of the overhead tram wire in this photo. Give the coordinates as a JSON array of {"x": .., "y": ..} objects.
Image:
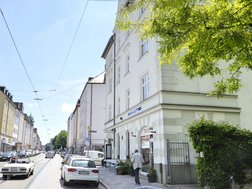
[
  {"x": 19, "y": 55},
  {"x": 71, "y": 46}
]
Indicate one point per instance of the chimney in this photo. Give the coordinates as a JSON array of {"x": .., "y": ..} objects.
[
  {"x": 90, "y": 78},
  {"x": 2, "y": 88},
  {"x": 19, "y": 106}
]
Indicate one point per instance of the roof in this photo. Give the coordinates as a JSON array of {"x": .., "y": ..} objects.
[
  {"x": 97, "y": 79},
  {"x": 108, "y": 46}
]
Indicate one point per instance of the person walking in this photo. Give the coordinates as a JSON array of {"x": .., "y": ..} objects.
[{"x": 137, "y": 161}]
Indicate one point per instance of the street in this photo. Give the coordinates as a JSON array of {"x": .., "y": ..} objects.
[{"x": 46, "y": 175}]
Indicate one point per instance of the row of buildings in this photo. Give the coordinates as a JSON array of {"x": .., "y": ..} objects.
[
  {"x": 139, "y": 104},
  {"x": 17, "y": 130}
]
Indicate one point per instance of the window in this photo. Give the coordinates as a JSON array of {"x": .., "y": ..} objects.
[
  {"x": 118, "y": 73},
  {"x": 141, "y": 11},
  {"x": 110, "y": 112},
  {"x": 127, "y": 64},
  {"x": 83, "y": 163},
  {"x": 143, "y": 47},
  {"x": 127, "y": 33},
  {"x": 109, "y": 60},
  {"x": 128, "y": 2},
  {"x": 127, "y": 99},
  {"x": 118, "y": 41},
  {"x": 145, "y": 86},
  {"x": 118, "y": 105},
  {"x": 109, "y": 85}
]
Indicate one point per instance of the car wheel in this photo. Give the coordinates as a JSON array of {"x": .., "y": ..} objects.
[
  {"x": 27, "y": 175},
  {"x": 4, "y": 177},
  {"x": 32, "y": 172},
  {"x": 96, "y": 184},
  {"x": 65, "y": 183}
]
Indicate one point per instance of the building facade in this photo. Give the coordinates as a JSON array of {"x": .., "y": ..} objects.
[
  {"x": 86, "y": 123},
  {"x": 149, "y": 106},
  {"x": 16, "y": 128}
]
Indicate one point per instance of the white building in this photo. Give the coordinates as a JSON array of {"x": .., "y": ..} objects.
[
  {"x": 86, "y": 124},
  {"x": 72, "y": 128},
  {"x": 149, "y": 106}
]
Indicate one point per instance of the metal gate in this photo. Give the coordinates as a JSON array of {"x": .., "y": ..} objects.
[{"x": 179, "y": 170}]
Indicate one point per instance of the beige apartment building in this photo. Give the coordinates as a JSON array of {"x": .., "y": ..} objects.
[{"x": 16, "y": 127}]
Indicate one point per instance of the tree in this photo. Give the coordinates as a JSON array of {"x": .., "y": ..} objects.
[
  {"x": 204, "y": 37},
  {"x": 60, "y": 140}
]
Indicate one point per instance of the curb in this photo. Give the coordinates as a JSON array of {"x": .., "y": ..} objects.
[{"x": 104, "y": 185}]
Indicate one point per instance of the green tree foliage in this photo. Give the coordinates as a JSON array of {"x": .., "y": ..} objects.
[
  {"x": 60, "y": 140},
  {"x": 227, "y": 152},
  {"x": 204, "y": 37},
  {"x": 48, "y": 147}
]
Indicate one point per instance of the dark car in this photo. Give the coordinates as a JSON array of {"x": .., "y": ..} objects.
[{"x": 6, "y": 156}]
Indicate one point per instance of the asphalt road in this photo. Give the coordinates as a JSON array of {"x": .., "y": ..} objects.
[{"x": 46, "y": 176}]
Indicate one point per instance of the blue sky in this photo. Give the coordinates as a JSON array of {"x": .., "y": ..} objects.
[{"x": 43, "y": 31}]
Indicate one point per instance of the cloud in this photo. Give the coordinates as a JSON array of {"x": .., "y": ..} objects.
[{"x": 67, "y": 108}]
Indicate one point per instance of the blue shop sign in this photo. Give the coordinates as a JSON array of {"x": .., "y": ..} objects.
[{"x": 134, "y": 112}]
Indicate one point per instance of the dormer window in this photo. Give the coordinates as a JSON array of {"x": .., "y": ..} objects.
[{"x": 128, "y": 2}]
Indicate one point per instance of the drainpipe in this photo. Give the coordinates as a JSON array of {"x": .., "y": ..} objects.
[{"x": 114, "y": 94}]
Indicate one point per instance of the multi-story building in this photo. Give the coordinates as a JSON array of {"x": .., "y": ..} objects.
[
  {"x": 7, "y": 114},
  {"x": 18, "y": 125},
  {"x": 72, "y": 128},
  {"x": 36, "y": 143},
  {"x": 27, "y": 132},
  {"x": 149, "y": 106},
  {"x": 16, "y": 128},
  {"x": 86, "y": 123}
]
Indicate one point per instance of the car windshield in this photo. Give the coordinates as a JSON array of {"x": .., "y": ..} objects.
[
  {"x": 21, "y": 160},
  {"x": 7, "y": 153},
  {"x": 83, "y": 163}
]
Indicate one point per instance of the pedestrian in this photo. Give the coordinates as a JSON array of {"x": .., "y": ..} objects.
[{"x": 137, "y": 161}]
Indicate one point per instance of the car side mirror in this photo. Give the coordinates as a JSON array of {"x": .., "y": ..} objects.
[{"x": 62, "y": 163}]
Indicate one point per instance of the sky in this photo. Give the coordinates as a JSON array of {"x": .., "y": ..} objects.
[{"x": 51, "y": 49}]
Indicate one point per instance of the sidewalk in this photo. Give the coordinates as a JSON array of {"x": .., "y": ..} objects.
[{"x": 110, "y": 180}]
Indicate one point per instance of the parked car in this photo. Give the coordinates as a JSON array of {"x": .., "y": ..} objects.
[
  {"x": 17, "y": 167},
  {"x": 49, "y": 154},
  {"x": 29, "y": 153},
  {"x": 66, "y": 157},
  {"x": 22, "y": 153},
  {"x": 80, "y": 169},
  {"x": 6, "y": 156},
  {"x": 97, "y": 156}
]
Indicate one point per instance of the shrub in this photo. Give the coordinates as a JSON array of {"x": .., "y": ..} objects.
[{"x": 227, "y": 152}]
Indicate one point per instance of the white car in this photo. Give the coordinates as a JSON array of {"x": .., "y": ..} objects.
[
  {"x": 18, "y": 167},
  {"x": 80, "y": 169},
  {"x": 49, "y": 154}
]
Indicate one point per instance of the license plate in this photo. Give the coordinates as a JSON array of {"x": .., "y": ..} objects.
[
  {"x": 84, "y": 172},
  {"x": 14, "y": 169}
]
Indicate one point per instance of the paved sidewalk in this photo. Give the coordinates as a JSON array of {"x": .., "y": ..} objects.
[{"x": 110, "y": 180}]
